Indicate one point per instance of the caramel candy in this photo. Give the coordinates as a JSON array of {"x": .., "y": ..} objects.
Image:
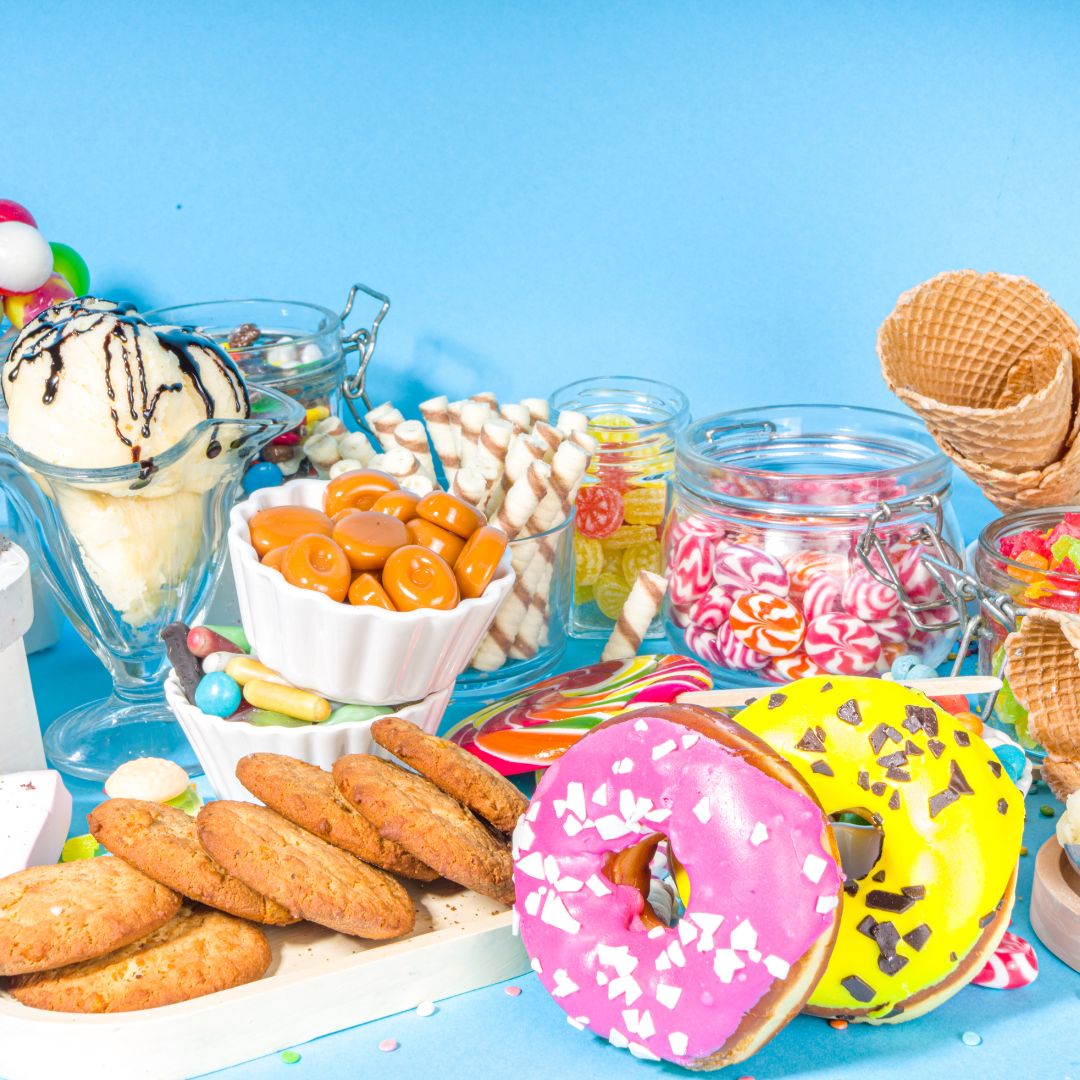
[
  {"x": 368, "y": 538},
  {"x": 415, "y": 577},
  {"x": 279, "y": 526},
  {"x": 479, "y": 559},
  {"x": 451, "y": 513}
]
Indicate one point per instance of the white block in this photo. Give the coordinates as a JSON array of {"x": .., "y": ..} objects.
[
  {"x": 35, "y": 815},
  {"x": 20, "y": 736}
]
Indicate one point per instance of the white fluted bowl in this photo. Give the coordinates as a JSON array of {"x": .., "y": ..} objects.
[
  {"x": 219, "y": 744},
  {"x": 361, "y": 655}
]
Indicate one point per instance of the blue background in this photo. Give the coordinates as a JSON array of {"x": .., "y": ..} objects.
[{"x": 729, "y": 195}]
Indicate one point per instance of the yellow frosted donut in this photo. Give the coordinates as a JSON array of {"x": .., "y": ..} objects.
[{"x": 928, "y": 914}]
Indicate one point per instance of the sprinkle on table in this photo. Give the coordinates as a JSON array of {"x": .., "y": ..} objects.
[
  {"x": 1023, "y": 850},
  {"x": 388, "y": 1045},
  {"x": 838, "y": 1024},
  {"x": 290, "y": 1057},
  {"x": 425, "y": 1008},
  {"x": 513, "y": 991},
  {"x": 971, "y": 1038},
  {"x": 1047, "y": 811}
]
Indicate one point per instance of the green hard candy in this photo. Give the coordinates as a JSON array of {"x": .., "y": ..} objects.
[
  {"x": 71, "y": 266},
  {"x": 266, "y": 718},
  {"x": 79, "y": 847},
  {"x": 235, "y": 634},
  {"x": 351, "y": 714},
  {"x": 188, "y": 800}
]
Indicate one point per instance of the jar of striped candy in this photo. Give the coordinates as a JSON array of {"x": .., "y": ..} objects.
[{"x": 766, "y": 581}]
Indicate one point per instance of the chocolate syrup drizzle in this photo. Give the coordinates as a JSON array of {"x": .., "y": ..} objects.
[{"x": 48, "y": 332}]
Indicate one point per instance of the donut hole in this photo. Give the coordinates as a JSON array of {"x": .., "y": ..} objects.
[
  {"x": 652, "y": 868},
  {"x": 858, "y": 839}
]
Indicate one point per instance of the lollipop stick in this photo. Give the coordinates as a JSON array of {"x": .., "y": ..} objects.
[{"x": 960, "y": 684}]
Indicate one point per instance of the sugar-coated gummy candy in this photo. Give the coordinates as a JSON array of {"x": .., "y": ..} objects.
[
  {"x": 610, "y": 593},
  {"x": 588, "y": 560},
  {"x": 645, "y": 504},
  {"x": 599, "y": 511},
  {"x": 263, "y": 474},
  {"x": 218, "y": 694},
  {"x": 647, "y": 556},
  {"x": 1033, "y": 564},
  {"x": 1069, "y": 525},
  {"x": 629, "y": 536},
  {"x": 583, "y": 594},
  {"x": 613, "y": 428},
  {"x": 71, "y": 266},
  {"x": 1028, "y": 540}
]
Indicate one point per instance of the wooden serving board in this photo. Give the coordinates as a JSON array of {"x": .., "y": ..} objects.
[
  {"x": 319, "y": 981},
  {"x": 1055, "y": 903}
]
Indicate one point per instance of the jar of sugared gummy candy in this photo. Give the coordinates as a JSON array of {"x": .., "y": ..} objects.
[
  {"x": 782, "y": 523},
  {"x": 621, "y": 508},
  {"x": 1031, "y": 558}
]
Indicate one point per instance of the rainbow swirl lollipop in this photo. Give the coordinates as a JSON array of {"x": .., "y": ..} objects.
[{"x": 537, "y": 725}]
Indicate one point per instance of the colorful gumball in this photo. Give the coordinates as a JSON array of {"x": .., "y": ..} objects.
[
  {"x": 690, "y": 574},
  {"x": 10, "y": 210},
  {"x": 1013, "y": 965},
  {"x": 842, "y": 644},
  {"x": 21, "y": 308},
  {"x": 25, "y": 258},
  {"x": 746, "y": 567},
  {"x": 71, "y": 266},
  {"x": 735, "y": 655},
  {"x": 709, "y": 611},
  {"x": 767, "y": 624},
  {"x": 868, "y": 599},
  {"x": 822, "y": 596}
]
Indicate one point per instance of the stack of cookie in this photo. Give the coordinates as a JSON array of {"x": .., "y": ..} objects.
[{"x": 114, "y": 934}]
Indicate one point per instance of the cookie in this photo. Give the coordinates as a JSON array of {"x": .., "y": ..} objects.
[
  {"x": 308, "y": 797},
  {"x": 195, "y": 953},
  {"x": 163, "y": 843},
  {"x": 455, "y": 770},
  {"x": 426, "y": 821},
  {"x": 55, "y": 915},
  {"x": 308, "y": 876}
]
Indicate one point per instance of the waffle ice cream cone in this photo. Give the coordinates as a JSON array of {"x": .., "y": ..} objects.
[
  {"x": 992, "y": 365},
  {"x": 1043, "y": 668}
]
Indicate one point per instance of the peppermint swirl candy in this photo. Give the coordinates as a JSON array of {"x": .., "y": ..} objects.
[
  {"x": 749, "y": 569},
  {"x": 843, "y": 644},
  {"x": 868, "y": 599},
  {"x": 822, "y": 595},
  {"x": 735, "y": 655}
]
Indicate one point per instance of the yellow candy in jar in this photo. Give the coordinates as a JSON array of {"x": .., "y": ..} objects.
[
  {"x": 588, "y": 560},
  {"x": 640, "y": 557},
  {"x": 612, "y": 428},
  {"x": 583, "y": 594},
  {"x": 299, "y": 704},
  {"x": 610, "y": 593},
  {"x": 628, "y": 536},
  {"x": 644, "y": 503}
]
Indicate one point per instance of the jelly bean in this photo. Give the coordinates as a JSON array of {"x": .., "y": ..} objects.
[
  {"x": 400, "y": 504},
  {"x": 71, "y": 266},
  {"x": 290, "y": 700},
  {"x": 599, "y": 511},
  {"x": 610, "y": 593},
  {"x": 245, "y": 668},
  {"x": 476, "y": 565},
  {"x": 450, "y": 513},
  {"x": 217, "y": 694},
  {"x": 269, "y": 718},
  {"x": 263, "y": 474},
  {"x": 358, "y": 714},
  {"x": 10, "y": 210},
  {"x": 218, "y": 661},
  {"x": 1013, "y": 760},
  {"x": 437, "y": 539},
  {"x": 368, "y": 538},
  {"x": 25, "y": 258},
  {"x": 588, "y": 560},
  {"x": 274, "y": 558},
  {"x": 747, "y": 567},
  {"x": 317, "y": 563},
  {"x": 281, "y": 525},
  {"x": 366, "y": 591},
  {"x": 415, "y": 577},
  {"x": 842, "y": 644},
  {"x": 202, "y": 641},
  {"x": 972, "y": 722},
  {"x": 286, "y": 438},
  {"x": 357, "y": 490},
  {"x": 645, "y": 504},
  {"x": 641, "y": 557},
  {"x": 315, "y": 414},
  {"x": 21, "y": 308},
  {"x": 235, "y": 634},
  {"x": 767, "y": 624}
]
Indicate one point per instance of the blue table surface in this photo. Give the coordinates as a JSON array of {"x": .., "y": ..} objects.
[{"x": 1029, "y": 1033}]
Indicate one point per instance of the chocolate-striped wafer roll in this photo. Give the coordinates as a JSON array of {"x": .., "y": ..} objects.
[
  {"x": 637, "y": 614},
  {"x": 520, "y": 453},
  {"x": 469, "y": 486},
  {"x": 488, "y": 397},
  {"x": 473, "y": 415},
  {"x": 436, "y": 414},
  {"x": 400, "y": 463},
  {"x": 548, "y": 437},
  {"x": 382, "y": 420},
  {"x": 495, "y": 438},
  {"x": 518, "y": 415},
  {"x": 538, "y": 408},
  {"x": 570, "y": 420},
  {"x": 411, "y": 436}
]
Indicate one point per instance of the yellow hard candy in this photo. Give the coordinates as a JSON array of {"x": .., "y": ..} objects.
[
  {"x": 583, "y": 594},
  {"x": 626, "y": 536},
  {"x": 588, "y": 560},
  {"x": 641, "y": 557},
  {"x": 645, "y": 503},
  {"x": 613, "y": 428},
  {"x": 610, "y": 593}
]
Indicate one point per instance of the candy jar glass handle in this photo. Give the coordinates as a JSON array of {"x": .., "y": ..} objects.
[{"x": 362, "y": 342}]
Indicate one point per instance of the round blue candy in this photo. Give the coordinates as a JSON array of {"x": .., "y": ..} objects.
[
  {"x": 902, "y": 665},
  {"x": 921, "y": 671},
  {"x": 218, "y": 694},
  {"x": 263, "y": 474},
  {"x": 1012, "y": 761}
]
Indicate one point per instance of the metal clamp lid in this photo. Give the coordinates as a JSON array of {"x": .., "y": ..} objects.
[{"x": 362, "y": 342}]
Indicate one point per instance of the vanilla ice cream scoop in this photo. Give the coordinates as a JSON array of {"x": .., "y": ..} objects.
[{"x": 90, "y": 384}]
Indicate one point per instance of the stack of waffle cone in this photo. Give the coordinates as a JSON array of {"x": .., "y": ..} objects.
[
  {"x": 992, "y": 365},
  {"x": 1043, "y": 669}
]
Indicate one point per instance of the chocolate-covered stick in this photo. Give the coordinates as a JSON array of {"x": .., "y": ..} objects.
[
  {"x": 185, "y": 663},
  {"x": 436, "y": 414},
  {"x": 382, "y": 420},
  {"x": 411, "y": 436},
  {"x": 637, "y": 613}
]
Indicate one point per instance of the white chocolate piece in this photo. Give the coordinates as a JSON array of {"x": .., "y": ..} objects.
[
  {"x": 382, "y": 420},
  {"x": 35, "y": 815},
  {"x": 346, "y": 465},
  {"x": 473, "y": 415},
  {"x": 637, "y": 614},
  {"x": 322, "y": 450},
  {"x": 538, "y": 408},
  {"x": 412, "y": 436},
  {"x": 153, "y": 779},
  {"x": 518, "y": 415},
  {"x": 570, "y": 420},
  {"x": 436, "y": 414},
  {"x": 357, "y": 446},
  {"x": 469, "y": 486}
]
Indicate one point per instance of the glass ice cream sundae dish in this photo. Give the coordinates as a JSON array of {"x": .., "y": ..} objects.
[{"x": 125, "y": 448}]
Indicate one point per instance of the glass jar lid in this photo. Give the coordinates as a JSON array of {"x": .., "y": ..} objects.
[{"x": 805, "y": 459}]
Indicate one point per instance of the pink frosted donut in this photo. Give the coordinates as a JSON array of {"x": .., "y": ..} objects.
[
  {"x": 822, "y": 595},
  {"x": 1013, "y": 965},
  {"x": 744, "y": 827},
  {"x": 868, "y": 599},
  {"x": 734, "y": 654},
  {"x": 710, "y": 610},
  {"x": 690, "y": 568},
  {"x": 768, "y": 624},
  {"x": 749, "y": 569},
  {"x": 842, "y": 644}
]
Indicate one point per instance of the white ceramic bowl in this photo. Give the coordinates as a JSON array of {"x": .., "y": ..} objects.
[
  {"x": 362, "y": 655},
  {"x": 220, "y": 744}
]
